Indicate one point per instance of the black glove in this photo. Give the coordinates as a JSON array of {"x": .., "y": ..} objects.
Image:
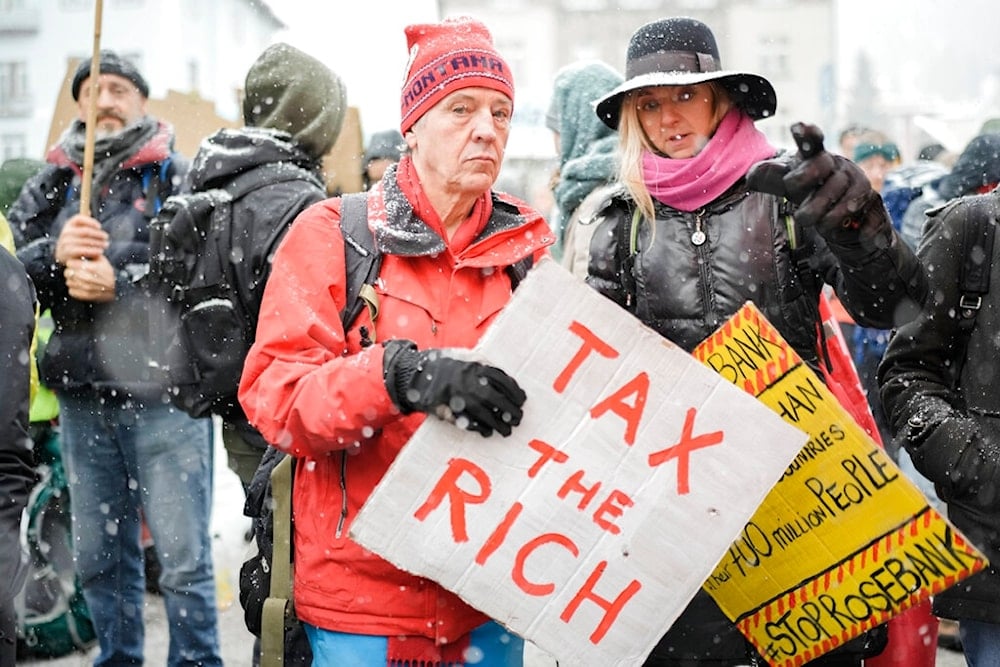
[
  {"x": 474, "y": 396},
  {"x": 830, "y": 191}
]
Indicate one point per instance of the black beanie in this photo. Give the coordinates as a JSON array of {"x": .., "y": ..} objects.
[
  {"x": 291, "y": 91},
  {"x": 388, "y": 144},
  {"x": 111, "y": 63}
]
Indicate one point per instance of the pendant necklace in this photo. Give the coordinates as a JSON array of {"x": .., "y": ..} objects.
[{"x": 698, "y": 237}]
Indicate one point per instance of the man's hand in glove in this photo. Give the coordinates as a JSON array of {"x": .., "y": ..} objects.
[
  {"x": 474, "y": 396},
  {"x": 830, "y": 191}
]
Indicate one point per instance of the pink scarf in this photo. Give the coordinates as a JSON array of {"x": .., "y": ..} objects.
[{"x": 687, "y": 184}]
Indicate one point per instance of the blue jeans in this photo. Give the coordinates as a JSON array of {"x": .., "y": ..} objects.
[
  {"x": 980, "y": 643},
  {"x": 122, "y": 455},
  {"x": 490, "y": 646}
]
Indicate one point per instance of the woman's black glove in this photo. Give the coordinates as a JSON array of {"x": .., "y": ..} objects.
[
  {"x": 831, "y": 192},
  {"x": 474, "y": 396}
]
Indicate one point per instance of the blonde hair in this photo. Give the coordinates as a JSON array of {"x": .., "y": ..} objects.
[{"x": 632, "y": 142}]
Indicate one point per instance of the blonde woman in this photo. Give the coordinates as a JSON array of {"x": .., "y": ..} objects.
[{"x": 685, "y": 240}]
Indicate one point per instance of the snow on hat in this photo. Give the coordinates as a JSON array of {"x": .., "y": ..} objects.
[
  {"x": 289, "y": 90},
  {"x": 110, "y": 63},
  {"x": 682, "y": 51},
  {"x": 445, "y": 57}
]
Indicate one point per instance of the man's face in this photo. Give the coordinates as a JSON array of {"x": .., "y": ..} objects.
[
  {"x": 119, "y": 103},
  {"x": 457, "y": 146}
]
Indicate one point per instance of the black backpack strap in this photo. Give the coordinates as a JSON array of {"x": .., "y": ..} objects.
[
  {"x": 362, "y": 261},
  {"x": 519, "y": 269},
  {"x": 978, "y": 232},
  {"x": 278, "y": 607}
]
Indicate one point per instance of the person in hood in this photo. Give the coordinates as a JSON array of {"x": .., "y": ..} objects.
[
  {"x": 293, "y": 111},
  {"x": 587, "y": 151},
  {"x": 128, "y": 452},
  {"x": 344, "y": 403},
  {"x": 708, "y": 216}
]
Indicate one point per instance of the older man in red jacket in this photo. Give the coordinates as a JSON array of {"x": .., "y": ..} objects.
[{"x": 345, "y": 408}]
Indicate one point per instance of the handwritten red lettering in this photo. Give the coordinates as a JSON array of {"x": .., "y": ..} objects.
[
  {"x": 682, "y": 451},
  {"x": 517, "y": 573},
  {"x": 448, "y": 487},
  {"x": 632, "y": 414},
  {"x": 575, "y": 484},
  {"x": 591, "y": 343},
  {"x": 613, "y": 506},
  {"x": 499, "y": 534},
  {"x": 548, "y": 453},
  {"x": 611, "y": 607}
]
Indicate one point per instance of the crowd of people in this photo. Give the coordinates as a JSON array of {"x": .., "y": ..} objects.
[{"x": 668, "y": 200}]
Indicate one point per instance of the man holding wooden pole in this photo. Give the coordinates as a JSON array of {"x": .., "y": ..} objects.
[{"x": 126, "y": 448}]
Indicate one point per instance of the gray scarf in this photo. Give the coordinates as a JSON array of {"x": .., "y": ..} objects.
[{"x": 111, "y": 152}]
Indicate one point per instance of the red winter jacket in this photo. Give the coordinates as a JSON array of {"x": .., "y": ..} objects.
[{"x": 321, "y": 397}]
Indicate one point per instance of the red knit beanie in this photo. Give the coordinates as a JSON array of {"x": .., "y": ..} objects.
[{"x": 445, "y": 57}]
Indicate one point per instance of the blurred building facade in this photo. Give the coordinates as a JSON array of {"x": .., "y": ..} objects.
[
  {"x": 203, "y": 48},
  {"x": 790, "y": 42},
  {"x": 191, "y": 46}
]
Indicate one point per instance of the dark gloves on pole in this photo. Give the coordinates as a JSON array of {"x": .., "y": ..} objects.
[
  {"x": 474, "y": 396},
  {"x": 831, "y": 192}
]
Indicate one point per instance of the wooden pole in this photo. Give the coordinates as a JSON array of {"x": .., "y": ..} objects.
[{"x": 88, "y": 146}]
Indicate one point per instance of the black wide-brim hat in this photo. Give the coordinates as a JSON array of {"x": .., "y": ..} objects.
[{"x": 680, "y": 52}]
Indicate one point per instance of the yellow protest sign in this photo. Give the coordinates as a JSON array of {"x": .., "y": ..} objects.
[{"x": 844, "y": 540}]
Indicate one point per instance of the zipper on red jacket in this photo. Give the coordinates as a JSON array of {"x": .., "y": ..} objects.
[{"x": 343, "y": 494}]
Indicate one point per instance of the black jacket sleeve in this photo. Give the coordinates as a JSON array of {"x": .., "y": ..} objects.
[
  {"x": 927, "y": 416},
  {"x": 17, "y": 322}
]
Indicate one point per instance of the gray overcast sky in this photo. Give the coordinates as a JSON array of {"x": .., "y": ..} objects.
[{"x": 363, "y": 42}]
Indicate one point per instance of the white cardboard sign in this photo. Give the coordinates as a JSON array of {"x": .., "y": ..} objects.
[{"x": 590, "y": 528}]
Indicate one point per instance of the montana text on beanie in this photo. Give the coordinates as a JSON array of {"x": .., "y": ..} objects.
[
  {"x": 110, "y": 63},
  {"x": 445, "y": 57}
]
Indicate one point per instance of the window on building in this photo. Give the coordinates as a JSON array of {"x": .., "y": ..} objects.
[
  {"x": 11, "y": 5},
  {"x": 773, "y": 56},
  {"x": 13, "y": 146},
  {"x": 13, "y": 83},
  {"x": 584, "y": 5},
  {"x": 193, "y": 72}
]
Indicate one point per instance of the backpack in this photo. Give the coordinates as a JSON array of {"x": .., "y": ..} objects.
[
  {"x": 52, "y": 616},
  {"x": 266, "y": 577},
  {"x": 205, "y": 329}
]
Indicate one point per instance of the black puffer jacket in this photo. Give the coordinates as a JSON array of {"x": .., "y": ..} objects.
[
  {"x": 685, "y": 290},
  {"x": 953, "y": 434},
  {"x": 98, "y": 345},
  {"x": 262, "y": 216}
]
